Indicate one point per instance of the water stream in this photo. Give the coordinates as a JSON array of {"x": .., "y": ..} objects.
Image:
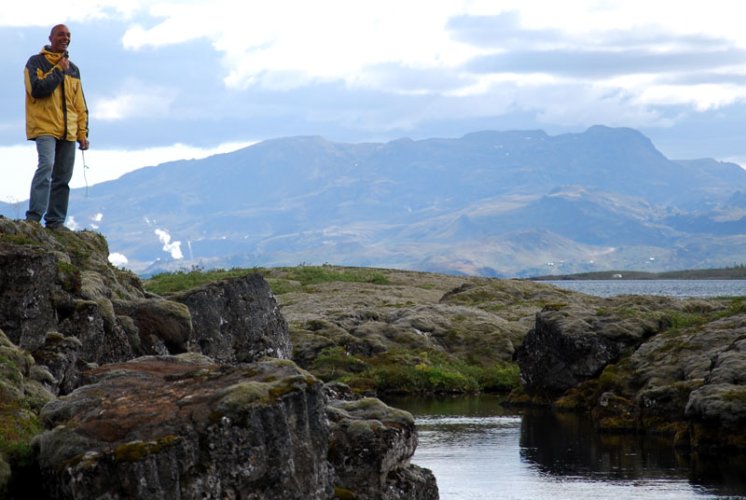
[{"x": 478, "y": 449}]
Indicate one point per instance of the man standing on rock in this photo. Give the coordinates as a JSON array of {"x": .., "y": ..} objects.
[{"x": 56, "y": 117}]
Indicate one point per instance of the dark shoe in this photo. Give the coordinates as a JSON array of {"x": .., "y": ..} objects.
[{"x": 59, "y": 227}]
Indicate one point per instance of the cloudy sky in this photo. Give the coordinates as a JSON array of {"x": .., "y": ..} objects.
[{"x": 190, "y": 78}]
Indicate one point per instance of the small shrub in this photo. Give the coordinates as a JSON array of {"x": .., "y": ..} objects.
[
  {"x": 680, "y": 320},
  {"x": 335, "y": 363}
]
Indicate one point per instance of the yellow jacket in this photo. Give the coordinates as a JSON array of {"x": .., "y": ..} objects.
[{"x": 55, "y": 104}]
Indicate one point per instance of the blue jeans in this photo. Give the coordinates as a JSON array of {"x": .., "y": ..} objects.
[{"x": 50, "y": 191}]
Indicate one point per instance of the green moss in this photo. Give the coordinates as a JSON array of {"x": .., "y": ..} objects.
[
  {"x": 578, "y": 398},
  {"x": 679, "y": 320},
  {"x": 735, "y": 395},
  {"x": 376, "y": 413},
  {"x": 69, "y": 277},
  {"x": 500, "y": 377},
  {"x": 618, "y": 423},
  {"x": 277, "y": 391},
  {"x": 333, "y": 363},
  {"x": 257, "y": 392},
  {"x": 310, "y": 275},
  {"x": 343, "y": 493},
  {"x": 281, "y": 280},
  {"x": 137, "y": 450},
  {"x": 554, "y": 307},
  {"x": 17, "y": 427},
  {"x": 168, "y": 283},
  {"x": 9, "y": 369},
  {"x": 243, "y": 394},
  {"x": 18, "y": 239},
  {"x": 614, "y": 378},
  {"x": 423, "y": 378},
  {"x": 283, "y": 286},
  {"x": 737, "y": 306}
]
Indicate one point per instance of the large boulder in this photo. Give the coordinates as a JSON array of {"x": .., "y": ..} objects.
[
  {"x": 187, "y": 428},
  {"x": 370, "y": 446},
  {"x": 574, "y": 343},
  {"x": 237, "y": 320}
]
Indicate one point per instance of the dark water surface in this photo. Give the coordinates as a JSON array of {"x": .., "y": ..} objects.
[{"x": 478, "y": 449}]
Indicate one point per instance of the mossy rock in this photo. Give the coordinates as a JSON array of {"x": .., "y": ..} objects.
[
  {"x": 137, "y": 450},
  {"x": 343, "y": 493},
  {"x": 373, "y": 409},
  {"x": 267, "y": 390}
]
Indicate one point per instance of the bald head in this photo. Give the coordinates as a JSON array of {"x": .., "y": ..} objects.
[{"x": 59, "y": 38}]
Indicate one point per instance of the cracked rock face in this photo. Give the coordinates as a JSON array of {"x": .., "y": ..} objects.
[
  {"x": 623, "y": 360},
  {"x": 237, "y": 320},
  {"x": 184, "y": 427},
  {"x": 574, "y": 344}
]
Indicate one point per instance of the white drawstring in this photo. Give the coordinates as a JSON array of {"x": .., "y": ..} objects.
[{"x": 85, "y": 167}]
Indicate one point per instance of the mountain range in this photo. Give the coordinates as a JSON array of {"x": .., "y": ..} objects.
[{"x": 506, "y": 204}]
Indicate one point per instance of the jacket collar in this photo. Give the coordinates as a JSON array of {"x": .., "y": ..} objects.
[{"x": 52, "y": 57}]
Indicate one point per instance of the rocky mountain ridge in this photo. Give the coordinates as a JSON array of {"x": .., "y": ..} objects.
[{"x": 507, "y": 204}]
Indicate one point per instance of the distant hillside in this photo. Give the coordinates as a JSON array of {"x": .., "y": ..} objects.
[{"x": 517, "y": 203}]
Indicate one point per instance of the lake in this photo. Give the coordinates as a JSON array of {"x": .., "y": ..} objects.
[
  {"x": 479, "y": 450},
  {"x": 670, "y": 288}
]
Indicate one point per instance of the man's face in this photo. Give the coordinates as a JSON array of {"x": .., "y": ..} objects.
[{"x": 59, "y": 39}]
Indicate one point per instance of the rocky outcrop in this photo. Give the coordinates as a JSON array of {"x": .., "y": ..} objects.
[
  {"x": 571, "y": 344},
  {"x": 237, "y": 320},
  {"x": 646, "y": 364},
  {"x": 56, "y": 300},
  {"x": 23, "y": 393},
  {"x": 370, "y": 446},
  {"x": 185, "y": 427},
  {"x": 62, "y": 301},
  {"x": 212, "y": 411}
]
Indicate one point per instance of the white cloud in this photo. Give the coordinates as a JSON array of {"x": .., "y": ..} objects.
[
  {"x": 118, "y": 259},
  {"x": 47, "y": 13},
  {"x": 172, "y": 248},
  {"x": 72, "y": 223},
  {"x": 703, "y": 96},
  {"x": 288, "y": 44},
  {"x": 332, "y": 40},
  {"x": 16, "y": 170},
  {"x": 133, "y": 100},
  {"x": 19, "y": 163}
]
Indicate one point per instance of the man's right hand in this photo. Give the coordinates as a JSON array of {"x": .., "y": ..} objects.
[{"x": 64, "y": 64}]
